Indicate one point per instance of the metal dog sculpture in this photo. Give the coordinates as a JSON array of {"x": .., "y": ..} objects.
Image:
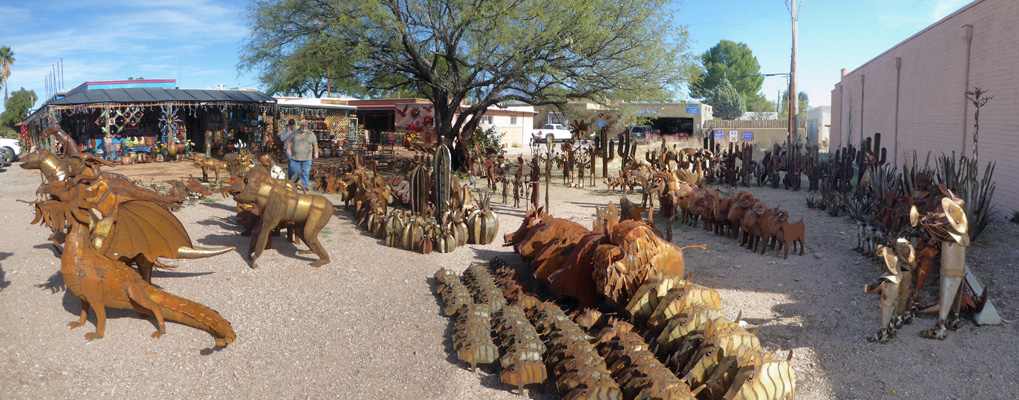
[{"x": 278, "y": 204}]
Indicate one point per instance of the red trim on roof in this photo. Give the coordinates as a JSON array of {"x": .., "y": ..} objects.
[{"x": 131, "y": 81}]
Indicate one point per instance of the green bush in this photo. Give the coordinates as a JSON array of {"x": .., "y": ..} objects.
[{"x": 484, "y": 139}]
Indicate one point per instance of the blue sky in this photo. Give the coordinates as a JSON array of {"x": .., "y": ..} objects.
[
  {"x": 831, "y": 34},
  {"x": 117, "y": 39}
]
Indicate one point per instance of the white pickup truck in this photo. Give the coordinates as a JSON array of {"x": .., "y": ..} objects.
[
  {"x": 556, "y": 132},
  {"x": 10, "y": 150}
]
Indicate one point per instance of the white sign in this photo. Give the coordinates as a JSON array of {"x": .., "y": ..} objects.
[{"x": 733, "y": 136}]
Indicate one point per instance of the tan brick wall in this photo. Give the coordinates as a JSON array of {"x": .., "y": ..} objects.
[{"x": 933, "y": 113}]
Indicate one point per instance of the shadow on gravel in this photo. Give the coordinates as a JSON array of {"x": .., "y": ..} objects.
[
  {"x": 222, "y": 223},
  {"x": 219, "y": 205},
  {"x": 3, "y": 283},
  {"x": 55, "y": 283},
  {"x": 241, "y": 243},
  {"x": 158, "y": 273},
  {"x": 49, "y": 246}
]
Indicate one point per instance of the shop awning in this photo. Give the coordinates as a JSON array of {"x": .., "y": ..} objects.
[{"x": 159, "y": 95}]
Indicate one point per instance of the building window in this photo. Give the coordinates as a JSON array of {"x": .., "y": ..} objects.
[
  {"x": 487, "y": 119},
  {"x": 513, "y": 120},
  {"x": 556, "y": 118}
]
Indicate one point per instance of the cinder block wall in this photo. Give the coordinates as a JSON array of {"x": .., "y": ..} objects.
[{"x": 914, "y": 94}]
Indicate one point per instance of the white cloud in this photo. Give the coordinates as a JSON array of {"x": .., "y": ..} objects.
[
  {"x": 941, "y": 8},
  {"x": 915, "y": 14},
  {"x": 115, "y": 39}
]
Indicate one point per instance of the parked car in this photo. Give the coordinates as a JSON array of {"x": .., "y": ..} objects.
[
  {"x": 10, "y": 150},
  {"x": 641, "y": 131},
  {"x": 555, "y": 132}
]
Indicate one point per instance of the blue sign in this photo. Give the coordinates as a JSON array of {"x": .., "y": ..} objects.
[
  {"x": 719, "y": 134},
  {"x": 748, "y": 136},
  {"x": 645, "y": 112},
  {"x": 600, "y": 124},
  {"x": 693, "y": 109}
]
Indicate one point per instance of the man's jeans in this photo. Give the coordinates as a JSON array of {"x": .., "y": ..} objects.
[{"x": 302, "y": 167}]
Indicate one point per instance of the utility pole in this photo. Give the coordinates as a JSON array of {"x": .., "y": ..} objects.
[{"x": 793, "y": 98}]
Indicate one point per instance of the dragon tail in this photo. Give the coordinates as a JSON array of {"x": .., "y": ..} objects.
[{"x": 191, "y": 313}]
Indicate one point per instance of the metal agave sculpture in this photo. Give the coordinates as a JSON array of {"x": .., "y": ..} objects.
[{"x": 961, "y": 176}]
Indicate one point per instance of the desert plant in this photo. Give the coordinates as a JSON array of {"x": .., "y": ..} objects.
[
  {"x": 962, "y": 177},
  {"x": 978, "y": 98},
  {"x": 1015, "y": 217}
]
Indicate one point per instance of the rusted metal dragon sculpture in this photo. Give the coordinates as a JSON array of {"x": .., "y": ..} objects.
[
  {"x": 132, "y": 228},
  {"x": 92, "y": 225},
  {"x": 101, "y": 282}
]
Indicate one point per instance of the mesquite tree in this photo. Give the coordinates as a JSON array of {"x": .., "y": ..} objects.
[{"x": 468, "y": 55}]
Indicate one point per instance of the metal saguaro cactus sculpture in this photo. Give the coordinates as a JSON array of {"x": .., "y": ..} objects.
[
  {"x": 419, "y": 183},
  {"x": 747, "y": 158},
  {"x": 627, "y": 149},
  {"x": 607, "y": 153},
  {"x": 442, "y": 169},
  {"x": 869, "y": 155},
  {"x": 713, "y": 148}
]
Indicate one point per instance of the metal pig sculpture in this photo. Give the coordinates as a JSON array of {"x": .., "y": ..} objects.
[{"x": 276, "y": 205}]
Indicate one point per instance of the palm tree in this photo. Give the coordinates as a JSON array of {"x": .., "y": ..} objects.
[{"x": 6, "y": 61}]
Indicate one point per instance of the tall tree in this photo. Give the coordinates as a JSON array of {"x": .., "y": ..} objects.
[
  {"x": 760, "y": 104},
  {"x": 467, "y": 56},
  {"x": 731, "y": 60},
  {"x": 802, "y": 107},
  {"x": 6, "y": 61},
  {"x": 16, "y": 109},
  {"x": 727, "y": 101},
  {"x": 318, "y": 68}
]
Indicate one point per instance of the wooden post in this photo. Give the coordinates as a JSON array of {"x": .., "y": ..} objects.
[{"x": 793, "y": 98}]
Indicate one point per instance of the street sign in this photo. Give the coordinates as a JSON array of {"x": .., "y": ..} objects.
[
  {"x": 599, "y": 124},
  {"x": 748, "y": 136},
  {"x": 733, "y": 136},
  {"x": 693, "y": 109},
  {"x": 719, "y": 135}
]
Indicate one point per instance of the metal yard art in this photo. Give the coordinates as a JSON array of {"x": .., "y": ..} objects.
[{"x": 105, "y": 225}]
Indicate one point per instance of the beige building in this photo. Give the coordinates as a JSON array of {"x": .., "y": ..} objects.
[
  {"x": 819, "y": 127},
  {"x": 667, "y": 118},
  {"x": 512, "y": 123},
  {"x": 913, "y": 93}
]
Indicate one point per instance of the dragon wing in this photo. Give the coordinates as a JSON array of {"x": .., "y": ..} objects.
[{"x": 143, "y": 227}]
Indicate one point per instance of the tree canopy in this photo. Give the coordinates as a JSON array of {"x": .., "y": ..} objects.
[
  {"x": 732, "y": 60},
  {"x": 727, "y": 102},
  {"x": 802, "y": 107},
  {"x": 16, "y": 109},
  {"x": 467, "y": 56},
  {"x": 6, "y": 61}
]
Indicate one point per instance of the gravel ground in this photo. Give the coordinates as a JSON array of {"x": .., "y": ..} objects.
[{"x": 368, "y": 326}]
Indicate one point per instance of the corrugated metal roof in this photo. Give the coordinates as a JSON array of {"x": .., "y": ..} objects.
[{"x": 159, "y": 95}]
